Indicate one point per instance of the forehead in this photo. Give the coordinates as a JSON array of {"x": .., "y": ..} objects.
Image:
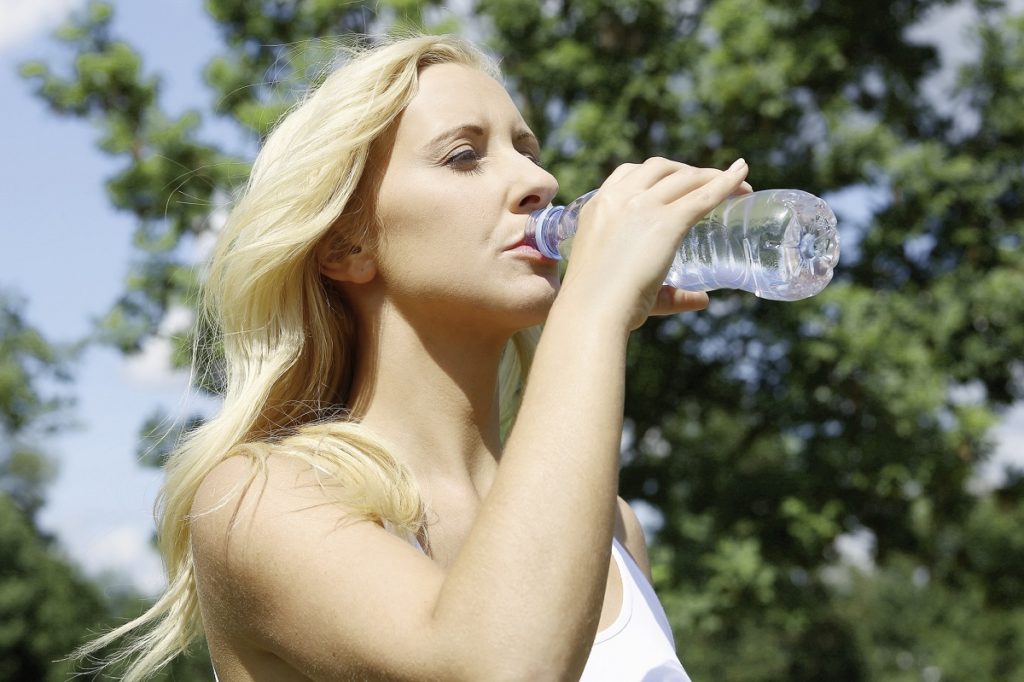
[{"x": 454, "y": 94}]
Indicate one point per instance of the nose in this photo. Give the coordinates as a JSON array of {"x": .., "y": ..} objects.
[{"x": 535, "y": 189}]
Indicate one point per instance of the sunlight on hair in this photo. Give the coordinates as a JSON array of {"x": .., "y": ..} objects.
[{"x": 268, "y": 323}]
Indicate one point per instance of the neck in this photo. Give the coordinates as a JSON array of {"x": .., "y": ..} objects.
[{"x": 433, "y": 395}]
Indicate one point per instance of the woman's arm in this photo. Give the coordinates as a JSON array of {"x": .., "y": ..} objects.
[
  {"x": 340, "y": 599},
  {"x": 546, "y": 525}
]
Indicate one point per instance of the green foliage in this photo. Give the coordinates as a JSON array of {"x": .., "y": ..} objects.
[
  {"x": 26, "y": 414},
  {"x": 46, "y": 608},
  {"x": 764, "y": 431},
  {"x": 170, "y": 180},
  {"x": 44, "y": 603},
  {"x": 911, "y": 626}
]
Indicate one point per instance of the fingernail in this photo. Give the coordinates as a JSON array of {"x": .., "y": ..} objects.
[{"x": 737, "y": 164}]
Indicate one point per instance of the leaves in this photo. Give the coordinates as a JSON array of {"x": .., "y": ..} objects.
[
  {"x": 45, "y": 605},
  {"x": 765, "y": 432},
  {"x": 27, "y": 413}
]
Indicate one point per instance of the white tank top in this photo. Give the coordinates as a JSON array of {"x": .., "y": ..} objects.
[{"x": 638, "y": 646}]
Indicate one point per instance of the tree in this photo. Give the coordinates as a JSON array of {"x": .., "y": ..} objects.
[
  {"x": 26, "y": 359},
  {"x": 762, "y": 432},
  {"x": 45, "y": 605},
  {"x": 765, "y": 431},
  {"x": 44, "y": 602}
]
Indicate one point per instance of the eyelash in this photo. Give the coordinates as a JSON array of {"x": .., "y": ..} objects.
[
  {"x": 459, "y": 158},
  {"x": 455, "y": 159}
]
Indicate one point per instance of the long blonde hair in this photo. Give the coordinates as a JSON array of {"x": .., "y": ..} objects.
[{"x": 287, "y": 336}]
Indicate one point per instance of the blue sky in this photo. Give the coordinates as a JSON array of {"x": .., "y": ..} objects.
[{"x": 67, "y": 252}]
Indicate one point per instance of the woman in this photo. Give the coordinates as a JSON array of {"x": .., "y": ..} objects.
[{"x": 345, "y": 515}]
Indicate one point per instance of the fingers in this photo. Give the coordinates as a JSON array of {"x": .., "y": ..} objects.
[
  {"x": 620, "y": 172},
  {"x": 702, "y": 181},
  {"x": 634, "y": 225},
  {"x": 697, "y": 203},
  {"x": 637, "y": 177},
  {"x": 666, "y": 181},
  {"x": 671, "y": 301}
]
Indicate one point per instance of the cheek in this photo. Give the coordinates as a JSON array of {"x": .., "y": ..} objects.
[
  {"x": 405, "y": 214},
  {"x": 419, "y": 256},
  {"x": 436, "y": 218}
]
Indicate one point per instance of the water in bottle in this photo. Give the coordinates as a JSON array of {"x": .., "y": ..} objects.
[{"x": 779, "y": 244}]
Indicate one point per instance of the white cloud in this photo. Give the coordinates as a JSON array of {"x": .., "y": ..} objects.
[
  {"x": 948, "y": 28},
  {"x": 119, "y": 555},
  {"x": 25, "y": 19},
  {"x": 204, "y": 244},
  {"x": 151, "y": 368},
  {"x": 951, "y": 29},
  {"x": 126, "y": 550},
  {"x": 1009, "y": 437}
]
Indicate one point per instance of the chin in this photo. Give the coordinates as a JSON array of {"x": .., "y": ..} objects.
[
  {"x": 514, "y": 305},
  {"x": 533, "y": 311}
]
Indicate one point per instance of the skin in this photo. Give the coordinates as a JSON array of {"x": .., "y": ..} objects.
[{"x": 520, "y": 578}]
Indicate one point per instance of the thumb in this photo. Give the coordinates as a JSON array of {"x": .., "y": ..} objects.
[{"x": 671, "y": 300}]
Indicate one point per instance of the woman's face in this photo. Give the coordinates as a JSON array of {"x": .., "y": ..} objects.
[{"x": 458, "y": 186}]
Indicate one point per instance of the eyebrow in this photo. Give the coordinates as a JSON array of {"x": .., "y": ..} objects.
[{"x": 435, "y": 145}]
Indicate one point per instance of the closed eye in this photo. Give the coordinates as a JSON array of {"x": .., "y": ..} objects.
[{"x": 465, "y": 161}]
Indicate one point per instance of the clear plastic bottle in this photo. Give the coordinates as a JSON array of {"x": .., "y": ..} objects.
[{"x": 779, "y": 244}]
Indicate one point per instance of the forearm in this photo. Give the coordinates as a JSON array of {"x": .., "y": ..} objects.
[{"x": 531, "y": 575}]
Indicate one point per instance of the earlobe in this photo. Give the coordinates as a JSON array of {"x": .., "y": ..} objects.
[{"x": 357, "y": 267}]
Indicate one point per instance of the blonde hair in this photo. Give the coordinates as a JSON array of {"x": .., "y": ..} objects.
[{"x": 288, "y": 336}]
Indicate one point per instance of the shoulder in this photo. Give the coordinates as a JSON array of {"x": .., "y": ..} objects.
[
  {"x": 241, "y": 503},
  {"x": 282, "y": 567},
  {"x": 630, "y": 533},
  {"x": 256, "y": 524},
  {"x": 241, "y": 488},
  {"x": 247, "y": 510}
]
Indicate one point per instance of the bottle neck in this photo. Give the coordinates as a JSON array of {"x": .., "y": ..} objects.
[
  {"x": 542, "y": 230},
  {"x": 549, "y": 227}
]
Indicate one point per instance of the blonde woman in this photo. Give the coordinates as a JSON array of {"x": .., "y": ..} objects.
[{"x": 363, "y": 508}]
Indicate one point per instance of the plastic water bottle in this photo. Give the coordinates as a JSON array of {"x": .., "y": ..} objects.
[{"x": 779, "y": 244}]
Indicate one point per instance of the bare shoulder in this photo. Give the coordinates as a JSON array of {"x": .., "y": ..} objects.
[
  {"x": 244, "y": 482},
  {"x": 282, "y": 568},
  {"x": 630, "y": 533},
  {"x": 238, "y": 493},
  {"x": 240, "y": 513}
]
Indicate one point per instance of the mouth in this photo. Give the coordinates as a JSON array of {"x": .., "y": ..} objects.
[
  {"x": 519, "y": 244},
  {"x": 524, "y": 248}
]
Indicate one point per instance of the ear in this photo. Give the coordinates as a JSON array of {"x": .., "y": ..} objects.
[{"x": 357, "y": 266}]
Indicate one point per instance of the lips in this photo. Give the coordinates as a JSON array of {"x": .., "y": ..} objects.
[
  {"x": 526, "y": 247},
  {"x": 521, "y": 242}
]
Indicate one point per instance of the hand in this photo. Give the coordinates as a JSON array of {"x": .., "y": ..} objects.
[{"x": 630, "y": 230}]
